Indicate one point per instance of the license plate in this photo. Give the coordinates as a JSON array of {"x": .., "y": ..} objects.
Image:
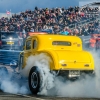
[
  {"x": 74, "y": 72},
  {"x": 10, "y": 42}
]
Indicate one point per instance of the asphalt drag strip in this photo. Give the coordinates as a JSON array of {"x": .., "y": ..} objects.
[{"x": 9, "y": 96}]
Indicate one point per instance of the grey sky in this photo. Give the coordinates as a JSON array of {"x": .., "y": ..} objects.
[{"x": 22, "y": 5}]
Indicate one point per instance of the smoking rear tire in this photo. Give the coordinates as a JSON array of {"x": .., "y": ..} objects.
[{"x": 34, "y": 80}]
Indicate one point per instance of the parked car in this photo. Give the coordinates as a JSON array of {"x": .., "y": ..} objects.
[
  {"x": 67, "y": 58},
  {"x": 10, "y": 41}
]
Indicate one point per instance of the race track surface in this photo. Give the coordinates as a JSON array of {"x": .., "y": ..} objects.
[{"x": 8, "y": 96}]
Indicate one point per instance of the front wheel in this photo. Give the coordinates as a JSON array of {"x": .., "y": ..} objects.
[{"x": 34, "y": 80}]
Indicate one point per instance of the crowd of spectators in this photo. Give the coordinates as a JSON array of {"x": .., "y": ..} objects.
[{"x": 73, "y": 20}]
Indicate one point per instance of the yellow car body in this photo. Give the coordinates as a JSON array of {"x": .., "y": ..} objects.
[
  {"x": 66, "y": 54},
  {"x": 65, "y": 51}
]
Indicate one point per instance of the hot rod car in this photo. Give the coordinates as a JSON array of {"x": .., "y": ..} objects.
[{"x": 58, "y": 54}]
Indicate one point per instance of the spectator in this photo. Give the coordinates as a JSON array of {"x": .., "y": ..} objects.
[
  {"x": 32, "y": 30},
  {"x": 64, "y": 32},
  {"x": 55, "y": 19}
]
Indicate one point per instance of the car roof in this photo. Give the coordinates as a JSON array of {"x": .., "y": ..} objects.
[{"x": 57, "y": 37}]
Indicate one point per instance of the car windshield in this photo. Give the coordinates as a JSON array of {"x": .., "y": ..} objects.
[{"x": 5, "y": 35}]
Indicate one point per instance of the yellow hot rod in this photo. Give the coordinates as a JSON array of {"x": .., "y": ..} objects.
[{"x": 66, "y": 58}]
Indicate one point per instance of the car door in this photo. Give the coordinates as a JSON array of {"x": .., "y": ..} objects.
[{"x": 27, "y": 51}]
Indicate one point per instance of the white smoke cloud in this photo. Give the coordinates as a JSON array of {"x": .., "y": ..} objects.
[
  {"x": 13, "y": 84},
  {"x": 9, "y": 82},
  {"x": 88, "y": 87},
  {"x": 54, "y": 85},
  {"x": 42, "y": 62},
  {"x": 12, "y": 87}
]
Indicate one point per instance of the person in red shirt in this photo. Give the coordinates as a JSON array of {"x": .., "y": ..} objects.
[
  {"x": 98, "y": 43},
  {"x": 92, "y": 42}
]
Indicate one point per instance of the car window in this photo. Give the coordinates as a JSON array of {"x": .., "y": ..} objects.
[
  {"x": 6, "y": 35},
  {"x": 34, "y": 44},
  {"x": 28, "y": 45},
  {"x": 63, "y": 43}
]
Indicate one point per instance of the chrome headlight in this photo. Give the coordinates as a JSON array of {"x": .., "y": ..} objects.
[{"x": 10, "y": 38}]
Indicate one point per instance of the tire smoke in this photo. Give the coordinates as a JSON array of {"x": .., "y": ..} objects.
[
  {"x": 53, "y": 85},
  {"x": 57, "y": 86},
  {"x": 11, "y": 82}
]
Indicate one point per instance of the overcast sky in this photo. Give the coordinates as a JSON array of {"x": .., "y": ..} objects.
[{"x": 22, "y": 5}]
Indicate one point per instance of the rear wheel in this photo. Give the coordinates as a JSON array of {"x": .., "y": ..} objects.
[{"x": 34, "y": 80}]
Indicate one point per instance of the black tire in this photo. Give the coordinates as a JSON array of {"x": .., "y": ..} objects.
[{"x": 34, "y": 80}]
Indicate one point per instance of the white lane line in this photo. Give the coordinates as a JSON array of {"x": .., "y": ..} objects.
[
  {"x": 23, "y": 95},
  {"x": 29, "y": 97}
]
